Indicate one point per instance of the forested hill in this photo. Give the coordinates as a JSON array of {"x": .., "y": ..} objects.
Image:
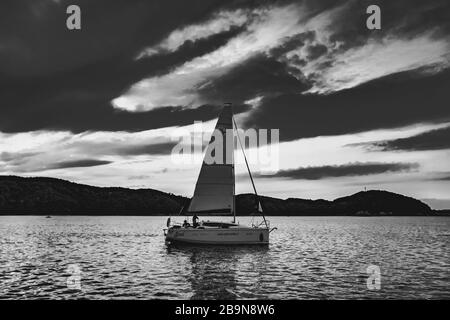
[
  {"x": 59, "y": 197},
  {"x": 49, "y": 196}
]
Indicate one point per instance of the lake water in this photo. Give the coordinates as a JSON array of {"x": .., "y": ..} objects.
[{"x": 308, "y": 258}]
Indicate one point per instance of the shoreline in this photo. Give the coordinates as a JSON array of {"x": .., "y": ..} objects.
[{"x": 168, "y": 215}]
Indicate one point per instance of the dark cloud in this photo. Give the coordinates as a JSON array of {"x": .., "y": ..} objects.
[
  {"x": 260, "y": 75},
  {"x": 151, "y": 149},
  {"x": 78, "y": 164},
  {"x": 441, "y": 176},
  {"x": 401, "y": 18},
  {"x": 392, "y": 101},
  {"x": 346, "y": 170},
  {"x": 315, "y": 51},
  {"x": 77, "y": 113},
  {"x": 292, "y": 42},
  {"x": 37, "y": 42},
  {"x": 431, "y": 140},
  {"x": 125, "y": 147}
]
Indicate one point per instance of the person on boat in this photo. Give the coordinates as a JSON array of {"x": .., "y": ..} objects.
[
  {"x": 185, "y": 224},
  {"x": 194, "y": 221}
]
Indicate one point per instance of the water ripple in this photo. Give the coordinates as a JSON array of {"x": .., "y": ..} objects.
[{"x": 308, "y": 258}]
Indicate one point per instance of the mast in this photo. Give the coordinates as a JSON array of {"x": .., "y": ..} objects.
[
  {"x": 249, "y": 172},
  {"x": 229, "y": 105}
]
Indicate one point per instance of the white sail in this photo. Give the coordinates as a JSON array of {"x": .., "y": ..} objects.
[{"x": 214, "y": 191}]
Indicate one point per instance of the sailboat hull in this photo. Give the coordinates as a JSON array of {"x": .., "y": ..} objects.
[{"x": 219, "y": 236}]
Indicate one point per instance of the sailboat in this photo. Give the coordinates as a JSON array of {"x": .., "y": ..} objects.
[{"x": 215, "y": 194}]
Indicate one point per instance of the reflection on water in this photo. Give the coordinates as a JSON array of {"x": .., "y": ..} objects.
[
  {"x": 213, "y": 279},
  {"x": 308, "y": 258}
]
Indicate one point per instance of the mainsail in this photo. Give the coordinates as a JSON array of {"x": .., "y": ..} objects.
[{"x": 214, "y": 191}]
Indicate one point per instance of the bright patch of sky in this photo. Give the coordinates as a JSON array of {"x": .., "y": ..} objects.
[
  {"x": 376, "y": 59},
  {"x": 221, "y": 22}
]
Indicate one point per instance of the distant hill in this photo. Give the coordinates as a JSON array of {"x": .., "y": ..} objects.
[
  {"x": 367, "y": 203},
  {"x": 59, "y": 197},
  {"x": 49, "y": 196}
]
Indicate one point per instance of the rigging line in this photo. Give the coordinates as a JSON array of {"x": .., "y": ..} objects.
[
  {"x": 248, "y": 169},
  {"x": 184, "y": 207}
]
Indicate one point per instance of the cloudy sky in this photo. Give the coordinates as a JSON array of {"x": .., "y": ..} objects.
[{"x": 355, "y": 107}]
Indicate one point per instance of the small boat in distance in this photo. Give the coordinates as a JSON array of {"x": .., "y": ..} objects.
[
  {"x": 48, "y": 217},
  {"x": 215, "y": 194}
]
